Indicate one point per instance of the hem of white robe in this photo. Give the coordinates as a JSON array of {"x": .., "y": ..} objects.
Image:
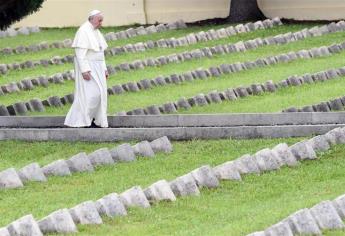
[{"x": 79, "y": 125}]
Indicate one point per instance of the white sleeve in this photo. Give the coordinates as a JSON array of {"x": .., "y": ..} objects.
[{"x": 83, "y": 64}]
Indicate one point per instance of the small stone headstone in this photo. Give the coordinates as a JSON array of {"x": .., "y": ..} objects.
[
  {"x": 214, "y": 97},
  {"x": 32, "y": 172},
  {"x": 4, "y": 111},
  {"x": 303, "y": 150},
  {"x": 323, "y": 107},
  {"x": 241, "y": 92},
  {"x": 184, "y": 186},
  {"x": 285, "y": 154},
  {"x": 247, "y": 164},
  {"x": 159, "y": 81},
  {"x": 326, "y": 216},
  {"x": 227, "y": 171},
  {"x": 267, "y": 160},
  {"x": 4, "y": 231},
  {"x": 175, "y": 79},
  {"x": 144, "y": 84},
  {"x": 101, "y": 157},
  {"x": 162, "y": 144},
  {"x": 57, "y": 168},
  {"x": 10, "y": 179},
  {"x": 225, "y": 69},
  {"x": 302, "y": 222},
  {"x": 169, "y": 108},
  {"x": 183, "y": 103},
  {"x": 336, "y": 105},
  {"x": 111, "y": 206},
  {"x": 230, "y": 94},
  {"x": 59, "y": 221},
  {"x": 200, "y": 100},
  {"x": 55, "y": 101},
  {"x": 134, "y": 197},
  {"x": 205, "y": 177},
  {"x": 132, "y": 87},
  {"x": 256, "y": 89},
  {"x": 152, "y": 110},
  {"x": 85, "y": 213},
  {"x": 143, "y": 149},
  {"x": 339, "y": 205},
  {"x": 215, "y": 72},
  {"x": 240, "y": 47},
  {"x": 80, "y": 163},
  {"x": 25, "y": 226},
  {"x": 123, "y": 153},
  {"x": 159, "y": 191},
  {"x": 279, "y": 229},
  {"x": 319, "y": 143}
]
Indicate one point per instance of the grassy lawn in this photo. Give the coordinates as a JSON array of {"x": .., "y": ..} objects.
[
  {"x": 235, "y": 208},
  {"x": 262, "y": 200}
]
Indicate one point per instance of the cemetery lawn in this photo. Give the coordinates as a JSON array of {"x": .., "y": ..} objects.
[
  {"x": 160, "y": 95},
  {"x": 235, "y": 208}
]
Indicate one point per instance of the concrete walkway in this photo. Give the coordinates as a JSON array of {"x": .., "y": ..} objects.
[{"x": 175, "y": 127}]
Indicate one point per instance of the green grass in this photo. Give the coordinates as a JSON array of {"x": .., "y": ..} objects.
[
  {"x": 128, "y": 57},
  {"x": 47, "y": 54},
  {"x": 304, "y": 94},
  {"x": 262, "y": 200},
  {"x": 151, "y": 72},
  {"x": 235, "y": 208}
]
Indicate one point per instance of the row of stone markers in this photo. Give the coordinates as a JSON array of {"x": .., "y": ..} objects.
[
  {"x": 111, "y": 36},
  {"x": 326, "y": 215},
  {"x": 189, "y": 39},
  {"x": 30, "y": 83},
  {"x": 194, "y": 38},
  {"x": 116, "y": 205},
  {"x": 232, "y": 94},
  {"x": 11, "y": 178},
  {"x": 336, "y": 104},
  {"x": 36, "y": 105},
  {"x": 57, "y": 60},
  {"x": 11, "y": 32},
  {"x": 195, "y": 54}
]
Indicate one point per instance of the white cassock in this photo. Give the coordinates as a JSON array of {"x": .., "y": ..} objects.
[{"x": 90, "y": 96}]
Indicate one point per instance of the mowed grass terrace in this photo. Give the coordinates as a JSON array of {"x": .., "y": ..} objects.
[{"x": 235, "y": 208}]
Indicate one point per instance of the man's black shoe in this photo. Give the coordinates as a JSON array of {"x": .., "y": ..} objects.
[{"x": 93, "y": 125}]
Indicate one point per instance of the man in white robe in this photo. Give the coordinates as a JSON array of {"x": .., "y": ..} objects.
[{"x": 90, "y": 96}]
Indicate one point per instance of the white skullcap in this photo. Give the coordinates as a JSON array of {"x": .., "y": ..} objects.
[{"x": 94, "y": 12}]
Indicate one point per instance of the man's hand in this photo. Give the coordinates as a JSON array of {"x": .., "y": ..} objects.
[
  {"x": 86, "y": 75},
  {"x": 106, "y": 74}
]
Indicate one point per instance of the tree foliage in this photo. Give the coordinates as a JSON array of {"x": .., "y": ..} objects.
[{"x": 14, "y": 10}]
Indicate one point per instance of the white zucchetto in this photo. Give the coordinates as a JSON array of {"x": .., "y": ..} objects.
[{"x": 94, "y": 12}]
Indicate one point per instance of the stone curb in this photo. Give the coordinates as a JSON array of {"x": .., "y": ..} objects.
[
  {"x": 89, "y": 212},
  {"x": 81, "y": 162},
  {"x": 186, "y": 120},
  {"x": 173, "y": 133}
]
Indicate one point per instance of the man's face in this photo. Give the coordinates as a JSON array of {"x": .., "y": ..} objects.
[{"x": 96, "y": 21}]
